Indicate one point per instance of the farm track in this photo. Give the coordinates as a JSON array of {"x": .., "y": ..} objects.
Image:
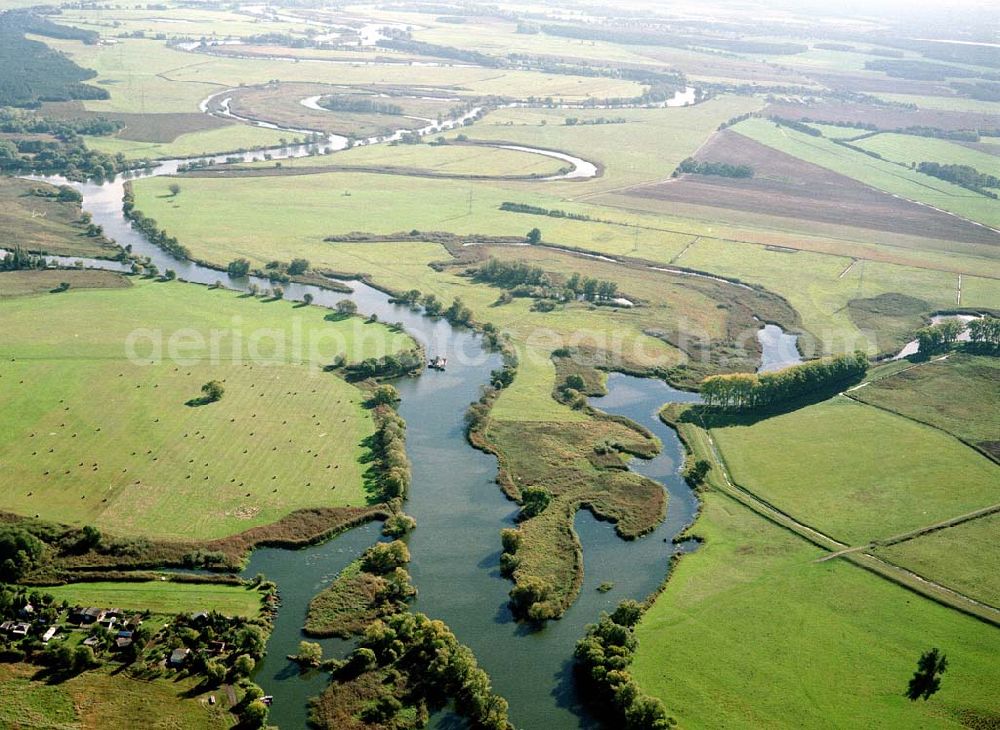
[
  {"x": 856, "y": 554},
  {"x": 919, "y": 532}
]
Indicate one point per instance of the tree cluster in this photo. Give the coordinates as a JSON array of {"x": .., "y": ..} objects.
[
  {"x": 361, "y": 105},
  {"x": 759, "y": 390},
  {"x": 984, "y": 333},
  {"x": 797, "y": 126},
  {"x": 603, "y": 657},
  {"x": 387, "y": 366},
  {"x": 33, "y": 72},
  {"x": 941, "y": 336},
  {"x": 964, "y": 175},
  {"x": 441, "y": 667},
  {"x": 535, "y": 210},
  {"x": 19, "y": 259},
  {"x": 719, "y": 169}
]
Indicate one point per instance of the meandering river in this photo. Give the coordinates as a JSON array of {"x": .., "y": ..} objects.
[{"x": 459, "y": 511}]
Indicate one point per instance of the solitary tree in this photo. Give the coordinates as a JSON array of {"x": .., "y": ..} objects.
[
  {"x": 174, "y": 189},
  {"x": 212, "y": 391},
  {"x": 927, "y": 679},
  {"x": 346, "y": 307},
  {"x": 534, "y": 236},
  {"x": 238, "y": 268},
  {"x": 307, "y": 298},
  {"x": 533, "y": 501}
]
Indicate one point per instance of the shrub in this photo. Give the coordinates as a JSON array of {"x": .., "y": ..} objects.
[{"x": 534, "y": 500}]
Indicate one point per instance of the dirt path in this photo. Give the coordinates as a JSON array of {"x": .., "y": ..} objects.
[{"x": 918, "y": 532}]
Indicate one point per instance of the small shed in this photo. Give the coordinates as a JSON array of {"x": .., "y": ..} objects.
[{"x": 178, "y": 657}]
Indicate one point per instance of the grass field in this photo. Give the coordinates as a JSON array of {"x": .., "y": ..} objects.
[
  {"x": 878, "y": 173},
  {"x": 960, "y": 557},
  {"x": 820, "y": 290},
  {"x": 44, "y": 224},
  {"x": 100, "y": 699},
  {"x": 945, "y": 103},
  {"x": 648, "y": 147},
  {"x": 139, "y": 75},
  {"x": 162, "y": 597},
  {"x": 907, "y": 148},
  {"x": 92, "y": 436},
  {"x": 223, "y": 139},
  {"x": 22, "y": 283},
  {"x": 176, "y": 22},
  {"x": 857, "y": 473},
  {"x": 751, "y": 633},
  {"x": 960, "y": 395}
]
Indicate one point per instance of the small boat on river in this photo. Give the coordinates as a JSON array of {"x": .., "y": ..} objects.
[{"x": 438, "y": 363}]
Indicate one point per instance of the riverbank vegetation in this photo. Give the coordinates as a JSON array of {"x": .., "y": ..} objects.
[{"x": 404, "y": 667}]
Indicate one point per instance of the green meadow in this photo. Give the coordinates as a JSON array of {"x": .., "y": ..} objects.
[
  {"x": 97, "y": 429},
  {"x": 106, "y": 699},
  {"x": 907, "y": 149},
  {"x": 223, "y": 139},
  {"x": 856, "y": 472},
  {"x": 751, "y": 632},
  {"x": 960, "y": 394},
  {"x": 960, "y": 557},
  {"x": 162, "y": 597}
]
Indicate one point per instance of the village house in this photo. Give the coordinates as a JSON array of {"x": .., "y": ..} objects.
[{"x": 85, "y": 616}]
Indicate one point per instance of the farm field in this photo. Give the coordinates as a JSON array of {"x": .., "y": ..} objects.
[
  {"x": 944, "y": 103},
  {"x": 858, "y": 464},
  {"x": 813, "y": 283},
  {"x": 960, "y": 395},
  {"x": 884, "y": 175},
  {"x": 907, "y": 148},
  {"x": 886, "y": 117},
  {"x": 162, "y": 597},
  {"x": 284, "y": 436},
  {"x": 794, "y": 188},
  {"x": 959, "y": 557},
  {"x": 44, "y": 224},
  {"x": 100, "y": 699},
  {"x": 821, "y": 289},
  {"x": 648, "y": 146},
  {"x": 826, "y": 624}
]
